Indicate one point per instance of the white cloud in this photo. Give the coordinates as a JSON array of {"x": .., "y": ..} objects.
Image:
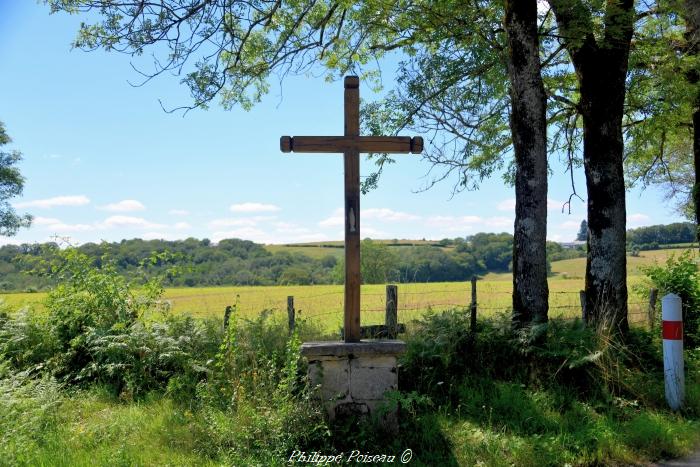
[
  {"x": 12, "y": 241},
  {"x": 499, "y": 222},
  {"x": 463, "y": 224},
  {"x": 508, "y": 204},
  {"x": 637, "y": 220},
  {"x": 385, "y": 214},
  {"x": 254, "y": 207},
  {"x": 56, "y": 226},
  {"x": 71, "y": 227},
  {"x": 178, "y": 212},
  {"x": 241, "y": 222},
  {"x": 553, "y": 204},
  {"x": 48, "y": 203},
  {"x": 159, "y": 236},
  {"x": 571, "y": 225},
  {"x": 290, "y": 228},
  {"x": 38, "y": 220},
  {"x": 336, "y": 219},
  {"x": 448, "y": 221},
  {"x": 127, "y": 205},
  {"x": 129, "y": 221},
  {"x": 112, "y": 222},
  {"x": 373, "y": 233}
]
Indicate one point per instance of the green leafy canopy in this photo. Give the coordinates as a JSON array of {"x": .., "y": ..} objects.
[{"x": 11, "y": 185}]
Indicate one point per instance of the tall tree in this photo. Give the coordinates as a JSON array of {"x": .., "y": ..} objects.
[
  {"x": 599, "y": 48},
  {"x": 528, "y": 124},
  {"x": 11, "y": 185},
  {"x": 457, "y": 48},
  {"x": 691, "y": 14},
  {"x": 663, "y": 102}
]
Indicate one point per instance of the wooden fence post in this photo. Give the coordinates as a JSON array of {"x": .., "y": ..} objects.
[
  {"x": 472, "y": 308},
  {"x": 652, "y": 307},
  {"x": 290, "y": 313},
  {"x": 582, "y": 299},
  {"x": 227, "y": 316},
  {"x": 391, "y": 316}
]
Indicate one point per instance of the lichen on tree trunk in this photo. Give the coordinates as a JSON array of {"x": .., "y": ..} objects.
[
  {"x": 529, "y": 132},
  {"x": 601, "y": 67}
]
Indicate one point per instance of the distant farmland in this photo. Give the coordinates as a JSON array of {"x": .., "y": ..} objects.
[
  {"x": 318, "y": 250},
  {"x": 324, "y": 303}
]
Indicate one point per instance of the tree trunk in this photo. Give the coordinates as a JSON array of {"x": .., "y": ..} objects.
[
  {"x": 696, "y": 159},
  {"x": 606, "y": 262},
  {"x": 528, "y": 125},
  {"x": 601, "y": 67}
]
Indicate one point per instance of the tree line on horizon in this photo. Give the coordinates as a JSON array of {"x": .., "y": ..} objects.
[{"x": 197, "y": 263}]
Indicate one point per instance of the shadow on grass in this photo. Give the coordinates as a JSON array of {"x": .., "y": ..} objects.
[
  {"x": 497, "y": 423},
  {"x": 420, "y": 437}
]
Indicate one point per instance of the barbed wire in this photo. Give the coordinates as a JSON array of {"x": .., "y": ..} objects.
[{"x": 410, "y": 302}]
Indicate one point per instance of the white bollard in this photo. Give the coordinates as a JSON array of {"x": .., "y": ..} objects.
[{"x": 672, "y": 329}]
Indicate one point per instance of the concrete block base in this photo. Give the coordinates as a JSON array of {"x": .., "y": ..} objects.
[{"x": 353, "y": 377}]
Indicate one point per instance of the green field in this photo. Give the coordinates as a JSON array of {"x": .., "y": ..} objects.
[
  {"x": 576, "y": 268},
  {"x": 324, "y": 303},
  {"x": 320, "y": 250}
]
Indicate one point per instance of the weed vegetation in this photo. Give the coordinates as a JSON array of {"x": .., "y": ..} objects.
[{"x": 91, "y": 382}]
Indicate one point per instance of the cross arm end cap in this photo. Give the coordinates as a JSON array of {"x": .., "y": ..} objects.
[
  {"x": 352, "y": 82},
  {"x": 416, "y": 145},
  {"x": 286, "y": 144}
]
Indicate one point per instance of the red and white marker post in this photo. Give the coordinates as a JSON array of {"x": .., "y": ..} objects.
[{"x": 672, "y": 329}]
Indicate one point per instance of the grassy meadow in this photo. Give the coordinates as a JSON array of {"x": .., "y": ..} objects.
[
  {"x": 167, "y": 391},
  {"x": 324, "y": 303}
]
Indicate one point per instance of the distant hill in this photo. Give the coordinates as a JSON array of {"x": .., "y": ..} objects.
[
  {"x": 194, "y": 262},
  {"x": 336, "y": 247}
]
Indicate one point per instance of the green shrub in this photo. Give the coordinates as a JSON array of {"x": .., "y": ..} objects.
[
  {"x": 256, "y": 403},
  {"x": 680, "y": 276},
  {"x": 172, "y": 355},
  {"x": 442, "y": 354},
  {"x": 28, "y": 412},
  {"x": 25, "y": 343}
]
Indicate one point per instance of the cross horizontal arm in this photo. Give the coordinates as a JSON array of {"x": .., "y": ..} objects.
[{"x": 384, "y": 144}]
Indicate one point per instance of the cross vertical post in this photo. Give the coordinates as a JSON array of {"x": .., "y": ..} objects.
[
  {"x": 351, "y": 145},
  {"x": 351, "y": 159}
]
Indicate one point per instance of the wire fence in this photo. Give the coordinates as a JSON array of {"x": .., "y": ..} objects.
[{"x": 324, "y": 304}]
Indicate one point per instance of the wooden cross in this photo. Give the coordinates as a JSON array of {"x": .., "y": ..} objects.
[{"x": 351, "y": 145}]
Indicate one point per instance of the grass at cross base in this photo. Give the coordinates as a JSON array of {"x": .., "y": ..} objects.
[
  {"x": 495, "y": 423},
  {"x": 95, "y": 430}
]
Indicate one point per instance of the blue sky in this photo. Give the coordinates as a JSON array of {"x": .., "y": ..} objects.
[{"x": 104, "y": 162}]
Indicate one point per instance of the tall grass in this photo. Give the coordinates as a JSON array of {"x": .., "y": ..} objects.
[
  {"x": 496, "y": 399},
  {"x": 90, "y": 385}
]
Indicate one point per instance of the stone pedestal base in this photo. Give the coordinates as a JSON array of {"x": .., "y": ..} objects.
[{"x": 353, "y": 377}]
